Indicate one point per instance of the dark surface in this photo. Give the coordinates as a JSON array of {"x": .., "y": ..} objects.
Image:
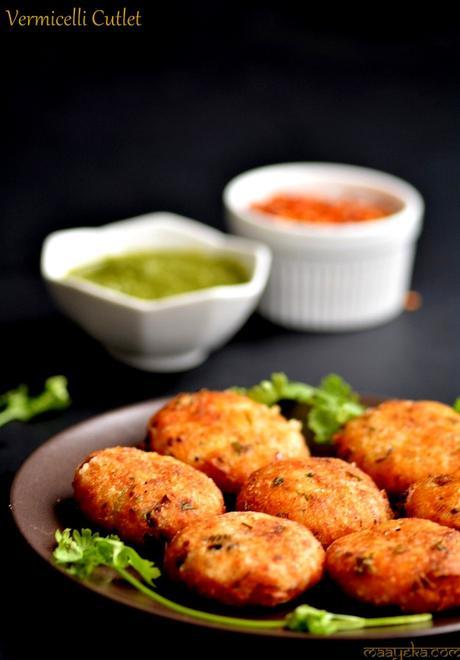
[{"x": 101, "y": 127}]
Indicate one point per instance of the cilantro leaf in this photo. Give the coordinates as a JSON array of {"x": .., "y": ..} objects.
[
  {"x": 81, "y": 552},
  {"x": 146, "y": 569},
  {"x": 322, "y": 421},
  {"x": 456, "y": 405},
  {"x": 278, "y": 388},
  {"x": 331, "y": 404},
  {"x": 18, "y": 405}
]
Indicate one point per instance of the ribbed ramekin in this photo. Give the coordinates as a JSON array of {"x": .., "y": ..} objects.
[{"x": 325, "y": 276}]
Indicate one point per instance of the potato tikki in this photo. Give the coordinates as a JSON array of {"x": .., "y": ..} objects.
[
  {"x": 401, "y": 442},
  {"x": 436, "y": 498},
  {"x": 329, "y": 496},
  {"x": 411, "y": 563},
  {"x": 245, "y": 559},
  {"x": 141, "y": 494},
  {"x": 225, "y": 435}
]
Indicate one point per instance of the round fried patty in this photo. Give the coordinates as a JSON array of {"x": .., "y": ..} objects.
[
  {"x": 437, "y": 499},
  {"x": 224, "y": 434},
  {"x": 329, "y": 496},
  {"x": 401, "y": 442},
  {"x": 142, "y": 494},
  {"x": 245, "y": 558},
  {"x": 411, "y": 563}
]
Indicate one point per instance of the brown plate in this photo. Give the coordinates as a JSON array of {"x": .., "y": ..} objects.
[{"x": 41, "y": 501}]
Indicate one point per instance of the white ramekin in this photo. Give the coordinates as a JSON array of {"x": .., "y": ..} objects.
[
  {"x": 325, "y": 276},
  {"x": 170, "y": 334}
]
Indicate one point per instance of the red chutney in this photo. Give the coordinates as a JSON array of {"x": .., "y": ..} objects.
[{"x": 306, "y": 208}]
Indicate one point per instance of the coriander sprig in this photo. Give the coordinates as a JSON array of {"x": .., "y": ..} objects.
[
  {"x": 18, "y": 405},
  {"x": 331, "y": 404},
  {"x": 456, "y": 405},
  {"x": 80, "y": 553}
]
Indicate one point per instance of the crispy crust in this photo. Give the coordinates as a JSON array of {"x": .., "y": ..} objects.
[
  {"x": 142, "y": 494},
  {"x": 245, "y": 559},
  {"x": 328, "y": 496},
  {"x": 436, "y": 498},
  {"x": 411, "y": 563},
  {"x": 401, "y": 442},
  {"x": 225, "y": 435}
]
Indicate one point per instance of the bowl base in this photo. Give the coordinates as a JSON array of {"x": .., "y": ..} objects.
[
  {"x": 337, "y": 325},
  {"x": 165, "y": 363}
]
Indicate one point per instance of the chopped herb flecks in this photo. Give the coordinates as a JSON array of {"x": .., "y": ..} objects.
[
  {"x": 385, "y": 456},
  {"x": 238, "y": 448},
  {"x": 186, "y": 505},
  {"x": 364, "y": 564},
  {"x": 440, "y": 546}
]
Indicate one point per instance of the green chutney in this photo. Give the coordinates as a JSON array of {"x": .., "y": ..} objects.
[{"x": 161, "y": 273}]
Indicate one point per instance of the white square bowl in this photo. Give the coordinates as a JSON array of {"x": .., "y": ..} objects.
[{"x": 170, "y": 334}]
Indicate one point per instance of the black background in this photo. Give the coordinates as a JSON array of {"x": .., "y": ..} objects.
[{"x": 100, "y": 126}]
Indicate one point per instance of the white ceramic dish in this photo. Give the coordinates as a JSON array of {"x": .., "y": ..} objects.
[
  {"x": 325, "y": 276},
  {"x": 170, "y": 334}
]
